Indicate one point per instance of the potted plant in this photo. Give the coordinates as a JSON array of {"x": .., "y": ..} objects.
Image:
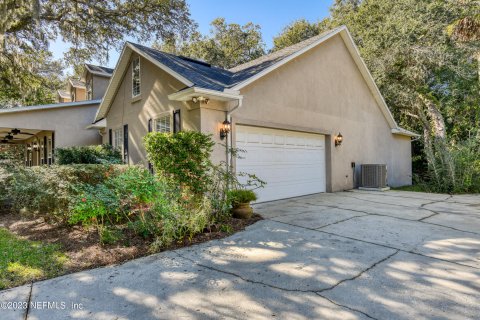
[{"x": 240, "y": 200}]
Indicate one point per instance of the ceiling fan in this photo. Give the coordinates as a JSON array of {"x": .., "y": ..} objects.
[{"x": 18, "y": 131}]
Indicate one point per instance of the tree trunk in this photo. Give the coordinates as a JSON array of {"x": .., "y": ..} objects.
[{"x": 438, "y": 130}]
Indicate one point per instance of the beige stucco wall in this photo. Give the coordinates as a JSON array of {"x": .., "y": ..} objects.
[
  {"x": 100, "y": 85},
  {"x": 323, "y": 91},
  {"x": 156, "y": 85},
  {"x": 68, "y": 123},
  {"x": 80, "y": 94}
]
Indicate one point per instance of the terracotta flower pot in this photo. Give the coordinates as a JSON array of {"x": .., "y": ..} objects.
[{"x": 242, "y": 211}]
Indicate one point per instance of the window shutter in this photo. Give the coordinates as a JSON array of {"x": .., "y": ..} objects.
[
  {"x": 177, "y": 124},
  {"x": 45, "y": 149},
  {"x": 150, "y": 167},
  {"x": 53, "y": 147},
  {"x": 110, "y": 138},
  {"x": 125, "y": 143}
]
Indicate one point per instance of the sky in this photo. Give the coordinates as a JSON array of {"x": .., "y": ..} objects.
[{"x": 271, "y": 15}]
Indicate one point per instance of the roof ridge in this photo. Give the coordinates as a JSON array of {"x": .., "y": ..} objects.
[{"x": 282, "y": 52}]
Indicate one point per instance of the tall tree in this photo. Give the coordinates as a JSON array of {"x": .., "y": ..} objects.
[
  {"x": 91, "y": 27},
  {"x": 226, "y": 46},
  {"x": 428, "y": 80},
  {"x": 298, "y": 31}
]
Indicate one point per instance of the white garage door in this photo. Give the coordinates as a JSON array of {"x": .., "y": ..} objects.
[{"x": 292, "y": 163}]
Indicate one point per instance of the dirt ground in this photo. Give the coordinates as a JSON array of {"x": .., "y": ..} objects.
[{"x": 82, "y": 246}]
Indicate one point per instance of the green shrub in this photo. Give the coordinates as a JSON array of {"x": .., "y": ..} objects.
[
  {"x": 462, "y": 175},
  {"x": 118, "y": 199},
  {"x": 183, "y": 158},
  {"x": 102, "y": 154},
  {"x": 240, "y": 196},
  {"x": 49, "y": 190},
  {"x": 182, "y": 218}
]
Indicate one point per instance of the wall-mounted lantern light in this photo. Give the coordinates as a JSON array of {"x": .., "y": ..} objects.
[
  {"x": 225, "y": 129},
  {"x": 35, "y": 146},
  {"x": 338, "y": 139},
  {"x": 200, "y": 99}
]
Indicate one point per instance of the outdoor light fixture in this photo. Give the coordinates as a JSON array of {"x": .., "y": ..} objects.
[
  {"x": 29, "y": 148},
  {"x": 338, "y": 140},
  {"x": 35, "y": 146},
  {"x": 200, "y": 99},
  {"x": 225, "y": 129}
]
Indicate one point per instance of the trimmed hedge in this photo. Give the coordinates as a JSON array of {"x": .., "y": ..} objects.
[{"x": 102, "y": 154}]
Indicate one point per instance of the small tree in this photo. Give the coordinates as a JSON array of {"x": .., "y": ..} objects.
[{"x": 182, "y": 158}]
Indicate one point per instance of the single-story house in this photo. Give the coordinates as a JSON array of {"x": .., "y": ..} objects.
[{"x": 307, "y": 116}]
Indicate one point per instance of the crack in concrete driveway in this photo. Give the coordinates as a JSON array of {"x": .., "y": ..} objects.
[{"x": 350, "y": 255}]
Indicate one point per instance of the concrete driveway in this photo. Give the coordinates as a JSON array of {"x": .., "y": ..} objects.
[{"x": 348, "y": 255}]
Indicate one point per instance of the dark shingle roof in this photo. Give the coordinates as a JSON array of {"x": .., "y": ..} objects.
[
  {"x": 100, "y": 70},
  {"x": 77, "y": 83},
  {"x": 210, "y": 77}
]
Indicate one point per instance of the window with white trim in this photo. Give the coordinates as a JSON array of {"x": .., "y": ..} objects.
[
  {"x": 135, "y": 77},
  {"x": 163, "y": 123},
  {"x": 118, "y": 139}
]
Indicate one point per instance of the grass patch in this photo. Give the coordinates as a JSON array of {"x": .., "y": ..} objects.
[{"x": 22, "y": 261}]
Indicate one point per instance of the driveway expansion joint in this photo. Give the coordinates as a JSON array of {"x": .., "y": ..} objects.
[
  {"x": 316, "y": 292},
  {"x": 382, "y": 245},
  {"x": 384, "y": 215},
  {"x": 28, "y": 301}
]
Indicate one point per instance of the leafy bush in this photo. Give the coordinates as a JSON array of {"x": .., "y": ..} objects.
[
  {"x": 119, "y": 199},
  {"x": 182, "y": 218},
  {"x": 104, "y": 154},
  {"x": 49, "y": 190},
  {"x": 182, "y": 157},
  {"x": 240, "y": 196},
  {"x": 462, "y": 177}
]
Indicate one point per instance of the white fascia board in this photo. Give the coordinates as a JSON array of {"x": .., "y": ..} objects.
[
  {"x": 176, "y": 75},
  {"x": 50, "y": 106},
  {"x": 404, "y": 132},
  {"x": 119, "y": 71},
  {"x": 188, "y": 93},
  {"x": 287, "y": 59},
  {"x": 114, "y": 83},
  {"x": 98, "y": 125}
]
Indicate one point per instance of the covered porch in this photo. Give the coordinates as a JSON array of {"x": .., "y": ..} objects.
[{"x": 38, "y": 144}]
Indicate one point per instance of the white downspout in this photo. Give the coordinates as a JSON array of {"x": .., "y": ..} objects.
[{"x": 229, "y": 158}]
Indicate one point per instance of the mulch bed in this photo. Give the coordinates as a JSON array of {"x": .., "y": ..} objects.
[{"x": 82, "y": 246}]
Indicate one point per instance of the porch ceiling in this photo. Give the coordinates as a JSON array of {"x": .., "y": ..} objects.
[{"x": 18, "y": 137}]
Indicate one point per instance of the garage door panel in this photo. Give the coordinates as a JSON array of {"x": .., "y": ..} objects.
[{"x": 292, "y": 163}]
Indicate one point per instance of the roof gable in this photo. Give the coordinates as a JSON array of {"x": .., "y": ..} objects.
[
  {"x": 99, "y": 70},
  {"x": 195, "y": 73}
]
